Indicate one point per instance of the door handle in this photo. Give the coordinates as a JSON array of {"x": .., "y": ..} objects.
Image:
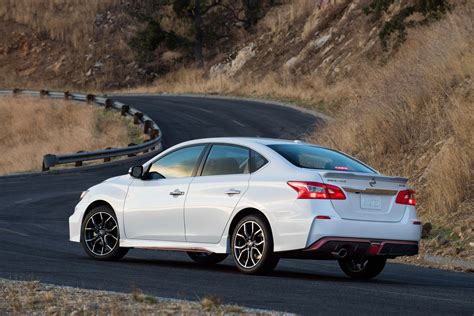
[
  {"x": 176, "y": 192},
  {"x": 232, "y": 192}
]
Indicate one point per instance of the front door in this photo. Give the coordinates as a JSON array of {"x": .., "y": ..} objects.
[{"x": 154, "y": 207}]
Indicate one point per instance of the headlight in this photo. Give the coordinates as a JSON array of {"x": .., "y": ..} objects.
[{"x": 83, "y": 194}]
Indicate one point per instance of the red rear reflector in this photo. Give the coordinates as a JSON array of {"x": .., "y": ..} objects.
[
  {"x": 406, "y": 197},
  {"x": 316, "y": 190},
  {"x": 374, "y": 249},
  {"x": 416, "y": 222},
  {"x": 341, "y": 168},
  {"x": 323, "y": 217}
]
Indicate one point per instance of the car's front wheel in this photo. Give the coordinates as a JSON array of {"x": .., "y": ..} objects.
[
  {"x": 100, "y": 235},
  {"x": 207, "y": 258},
  {"x": 252, "y": 246},
  {"x": 364, "y": 268}
]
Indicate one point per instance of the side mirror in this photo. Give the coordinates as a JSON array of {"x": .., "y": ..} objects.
[{"x": 136, "y": 172}]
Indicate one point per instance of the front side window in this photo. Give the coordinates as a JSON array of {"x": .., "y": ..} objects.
[
  {"x": 313, "y": 157},
  {"x": 178, "y": 164},
  {"x": 226, "y": 159}
]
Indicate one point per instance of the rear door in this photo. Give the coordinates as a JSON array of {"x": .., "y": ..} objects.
[
  {"x": 213, "y": 195},
  {"x": 368, "y": 197}
]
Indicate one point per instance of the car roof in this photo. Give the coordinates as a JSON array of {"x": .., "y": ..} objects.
[{"x": 245, "y": 141}]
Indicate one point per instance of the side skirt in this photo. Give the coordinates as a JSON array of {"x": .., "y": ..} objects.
[{"x": 174, "y": 245}]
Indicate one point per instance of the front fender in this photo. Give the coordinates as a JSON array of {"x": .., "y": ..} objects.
[{"x": 111, "y": 193}]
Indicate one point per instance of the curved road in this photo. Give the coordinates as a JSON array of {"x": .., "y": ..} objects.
[{"x": 34, "y": 234}]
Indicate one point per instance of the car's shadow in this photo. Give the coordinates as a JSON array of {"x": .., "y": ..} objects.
[{"x": 282, "y": 272}]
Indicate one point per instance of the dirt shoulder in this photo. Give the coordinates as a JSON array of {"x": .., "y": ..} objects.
[{"x": 33, "y": 297}]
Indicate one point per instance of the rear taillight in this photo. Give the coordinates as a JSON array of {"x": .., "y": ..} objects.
[
  {"x": 316, "y": 190},
  {"x": 406, "y": 197}
]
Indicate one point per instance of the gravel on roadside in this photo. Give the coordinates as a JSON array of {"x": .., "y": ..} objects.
[{"x": 35, "y": 298}]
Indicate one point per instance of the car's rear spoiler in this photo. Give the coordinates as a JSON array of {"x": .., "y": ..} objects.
[{"x": 368, "y": 177}]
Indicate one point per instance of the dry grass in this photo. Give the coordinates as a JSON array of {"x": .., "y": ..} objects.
[
  {"x": 308, "y": 92},
  {"x": 33, "y": 127},
  {"x": 415, "y": 115},
  {"x": 33, "y": 297},
  {"x": 61, "y": 20}
]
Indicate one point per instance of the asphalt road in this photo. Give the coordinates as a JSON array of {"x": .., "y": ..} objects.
[{"x": 34, "y": 235}]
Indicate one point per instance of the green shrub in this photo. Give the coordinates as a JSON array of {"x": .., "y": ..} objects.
[
  {"x": 430, "y": 9},
  {"x": 145, "y": 42}
]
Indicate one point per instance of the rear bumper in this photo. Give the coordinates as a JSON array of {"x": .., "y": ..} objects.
[
  {"x": 355, "y": 247},
  {"x": 407, "y": 229},
  {"x": 342, "y": 247}
]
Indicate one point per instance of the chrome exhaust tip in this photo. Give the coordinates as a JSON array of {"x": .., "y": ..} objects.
[{"x": 342, "y": 253}]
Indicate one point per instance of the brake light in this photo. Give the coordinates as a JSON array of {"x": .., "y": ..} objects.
[
  {"x": 406, "y": 197},
  {"x": 323, "y": 217},
  {"x": 316, "y": 190}
]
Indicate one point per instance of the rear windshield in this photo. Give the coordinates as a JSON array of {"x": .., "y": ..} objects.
[{"x": 313, "y": 157}]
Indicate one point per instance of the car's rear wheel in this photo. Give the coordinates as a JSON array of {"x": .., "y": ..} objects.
[
  {"x": 100, "y": 235},
  {"x": 364, "y": 268},
  {"x": 252, "y": 246},
  {"x": 207, "y": 258}
]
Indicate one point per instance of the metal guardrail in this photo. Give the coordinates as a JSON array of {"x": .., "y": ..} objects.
[{"x": 149, "y": 127}]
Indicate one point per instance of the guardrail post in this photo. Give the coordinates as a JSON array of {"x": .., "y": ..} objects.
[
  {"x": 79, "y": 163},
  {"x": 147, "y": 126},
  {"x": 44, "y": 93},
  {"x": 108, "y": 103},
  {"x": 49, "y": 161},
  {"x": 16, "y": 91},
  {"x": 131, "y": 155},
  {"x": 67, "y": 95},
  {"x": 124, "y": 110},
  {"x": 137, "y": 117},
  {"x": 154, "y": 133},
  {"x": 107, "y": 159},
  {"x": 90, "y": 98}
]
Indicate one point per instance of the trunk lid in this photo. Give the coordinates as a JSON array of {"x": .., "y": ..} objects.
[{"x": 369, "y": 197}]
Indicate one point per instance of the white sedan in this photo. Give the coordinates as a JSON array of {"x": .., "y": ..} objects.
[{"x": 257, "y": 199}]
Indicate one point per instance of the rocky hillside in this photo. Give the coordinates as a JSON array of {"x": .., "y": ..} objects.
[
  {"x": 59, "y": 44},
  {"x": 113, "y": 44}
]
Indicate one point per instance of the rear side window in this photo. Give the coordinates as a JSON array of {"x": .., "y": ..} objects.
[
  {"x": 226, "y": 159},
  {"x": 257, "y": 161},
  {"x": 313, "y": 157}
]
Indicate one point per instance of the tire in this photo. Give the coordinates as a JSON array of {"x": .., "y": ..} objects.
[
  {"x": 205, "y": 258},
  {"x": 366, "y": 268},
  {"x": 100, "y": 235},
  {"x": 252, "y": 246}
]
